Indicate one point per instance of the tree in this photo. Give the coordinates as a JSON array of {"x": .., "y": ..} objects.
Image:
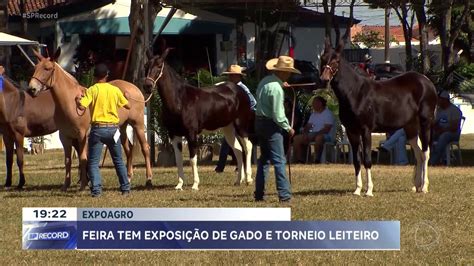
[
  {"x": 404, "y": 13},
  {"x": 136, "y": 20},
  {"x": 419, "y": 7},
  {"x": 3, "y": 28},
  {"x": 448, "y": 18},
  {"x": 331, "y": 21},
  {"x": 369, "y": 39}
]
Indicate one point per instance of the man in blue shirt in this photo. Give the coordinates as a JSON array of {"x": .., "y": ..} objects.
[{"x": 234, "y": 75}]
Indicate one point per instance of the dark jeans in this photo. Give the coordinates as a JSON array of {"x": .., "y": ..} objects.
[
  {"x": 97, "y": 138},
  {"x": 270, "y": 138}
]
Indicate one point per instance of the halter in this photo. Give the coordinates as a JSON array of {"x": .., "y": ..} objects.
[
  {"x": 333, "y": 70},
  {"x": 43, "y": 84},
  {"x": 159, "y": 76}
]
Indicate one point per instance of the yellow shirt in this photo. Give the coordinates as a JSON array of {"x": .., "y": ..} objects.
[{"x": 104, "y": 100}]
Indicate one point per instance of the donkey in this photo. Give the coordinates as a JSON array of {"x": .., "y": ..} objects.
[
  {"x": 24, "y": 116},
  {"x": 74, "y": 123},
  {"x": 407, "y": 101},
  {"x": 188, "y": 110}
]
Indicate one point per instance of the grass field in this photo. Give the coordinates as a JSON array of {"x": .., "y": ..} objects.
[{"x": 435, "y": 228}]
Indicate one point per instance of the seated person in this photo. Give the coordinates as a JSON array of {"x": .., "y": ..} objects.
[
  {"x": 446, "y": 127},
  {"x": 397, "y": 140},
  {"x": 320, "y": 128}
]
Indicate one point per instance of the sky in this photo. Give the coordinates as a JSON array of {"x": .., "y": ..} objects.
[{"x": 368, "y": 16}]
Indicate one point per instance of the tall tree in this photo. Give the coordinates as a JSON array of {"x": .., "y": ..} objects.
[
  {"x": 404, "y": 13},
  {"x": 3, "y": 28},
  {"x": 419, "y": 7},
  {"x": 449, "y": 16},
  {"x": 332, "y": 22},
  {"x": 136, "y": 20}
]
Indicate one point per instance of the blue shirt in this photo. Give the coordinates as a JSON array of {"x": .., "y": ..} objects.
[
  {"x": 1, "y": 83},
  {"x": 253, "y": 102}
]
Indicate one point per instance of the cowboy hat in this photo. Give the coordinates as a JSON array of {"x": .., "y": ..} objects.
[
  {"x": 444, "y": 94},
  {"x": 234, "y": 70},
  {"x": 282, "y": 63},
  {"x": 367, "y": 57}
]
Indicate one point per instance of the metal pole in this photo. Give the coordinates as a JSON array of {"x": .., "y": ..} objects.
[{"x": 387, "y": 33}]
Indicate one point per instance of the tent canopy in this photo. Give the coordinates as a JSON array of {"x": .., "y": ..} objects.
[{"x": 9, "y": 40}]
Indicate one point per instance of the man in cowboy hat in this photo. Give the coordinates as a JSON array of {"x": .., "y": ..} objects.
[
  {"x": 234, "y": 74},
  {"x": 271, "y": 124},
  {"x": 446, "y": 127}
]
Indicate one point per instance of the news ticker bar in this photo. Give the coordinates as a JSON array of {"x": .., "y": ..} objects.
[
  {"x": 215, "y": 233},
  {"x": 156, "y": 214}
]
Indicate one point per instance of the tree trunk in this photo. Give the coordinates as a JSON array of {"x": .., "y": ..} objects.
[
  {"x": 407, "y": 33},
  {"x": 347, "y": 34},
  {"x": 335, "y": 23},
  {"x": 136, "y": 68},
  {"x": 327, "y": 20},
  {"x": 4, "y": 50},
  {"x": 423, "y": 32}
]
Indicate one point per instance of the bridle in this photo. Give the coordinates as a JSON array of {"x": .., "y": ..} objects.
[
  {"x": 332, "y": 69},
  {"x": 44, "y": 84},
  {"x": 159, "y": 76}
]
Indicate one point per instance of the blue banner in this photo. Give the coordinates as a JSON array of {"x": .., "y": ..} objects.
[
  {"x": 327, "y": 235},
  {"x": 50, "y": 235}
]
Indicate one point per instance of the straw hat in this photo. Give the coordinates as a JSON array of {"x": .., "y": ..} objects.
[
  {"x": 282, "y": 63},
  {"x": 234, "y": 70}
]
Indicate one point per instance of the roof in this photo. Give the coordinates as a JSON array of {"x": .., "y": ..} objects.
[
  {"x": 14, "y": 6},
  {"x": 396, "y": 32},
  {"x": 9, "y": 40}
]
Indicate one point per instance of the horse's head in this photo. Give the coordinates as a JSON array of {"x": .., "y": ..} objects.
[
  {"x": 330, "y": 61},
  {"x": 154, "y": 69},
  {"x": 43, "y": 79}
]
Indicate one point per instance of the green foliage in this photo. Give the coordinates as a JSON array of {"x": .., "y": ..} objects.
[
  {"x": 369, "y": 39},
  {"x": 203, "y": 78},
  {"x": 86, "y": 77},
  {"x": 156, "y": 106},
  {"x": 38, "y": 140}
]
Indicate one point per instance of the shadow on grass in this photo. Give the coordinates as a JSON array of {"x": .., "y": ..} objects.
[{"x": 323, "y": 192}]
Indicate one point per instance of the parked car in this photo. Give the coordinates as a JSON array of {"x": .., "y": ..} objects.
[
  {"x": 387, "y": 71},
  {"x": 309, "y": 74}
]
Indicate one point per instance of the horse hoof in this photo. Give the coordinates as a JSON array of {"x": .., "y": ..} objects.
[
  {"x": 249, "y": 182},
  {"x": 413, "y": 189},
  {"x": 369, "y": 194},
  {"x": 357, "y": 193},
  {"x": 195, "y": 187},
  {"x": 7, "y": 187},
  {"x": 236, "y": 183},
  {"x": 179, "y": 187},
  {"x": 149, "y": 184}
]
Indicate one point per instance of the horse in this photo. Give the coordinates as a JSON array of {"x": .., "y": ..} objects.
[
  {"x": 75, "y": 124},
  {"x": 25, "y": 117},
  {"x": 407, "y": 101},
  {"x": 188, "y": 110}
]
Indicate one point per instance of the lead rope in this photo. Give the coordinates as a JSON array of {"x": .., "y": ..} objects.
[{"x": 289, "y": 138}]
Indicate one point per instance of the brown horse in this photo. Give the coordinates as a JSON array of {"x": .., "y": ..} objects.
[
  {"x": 24, "y": 116},
  {"x": 407, "y": 101},
  {"x": 75, "y": 124},
  {"x": 188, "y": 110}
]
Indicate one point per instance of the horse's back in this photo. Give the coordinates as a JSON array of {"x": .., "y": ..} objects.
[{"x": 136, "y": 102}]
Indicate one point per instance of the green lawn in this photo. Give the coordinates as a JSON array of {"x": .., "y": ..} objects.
[{"x": 435, "y": 227}]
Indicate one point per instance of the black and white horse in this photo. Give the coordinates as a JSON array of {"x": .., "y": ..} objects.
[{"x": 188, "y": 110}]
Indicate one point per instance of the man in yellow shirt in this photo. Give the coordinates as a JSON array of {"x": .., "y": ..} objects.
[{"x": 104, "y": 101}]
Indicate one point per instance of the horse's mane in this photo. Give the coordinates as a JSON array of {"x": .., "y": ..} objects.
[{"x": 68, "y": 75}]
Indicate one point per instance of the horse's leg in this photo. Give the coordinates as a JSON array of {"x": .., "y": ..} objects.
[
  {"x": 193, "y": 146},
  {"x": 178, "y": 147},
  {"x": 415, "y": 145},
  {"x": 139, "y": 130},
  {"x": 354, "y": 139},
  {"x": 367, "y": 149},
  {"x": 83, "y": 160},
  {"x": 19, "y": 158},
  {"x": 247, "y": 146},
  {"x": 67, "y": 147},
  {"x": 229, "y": 134},
  {"x": 9, "y": 148},
  {"x": 425, "y": 138},
  {"x": 128, "y": 148}
]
